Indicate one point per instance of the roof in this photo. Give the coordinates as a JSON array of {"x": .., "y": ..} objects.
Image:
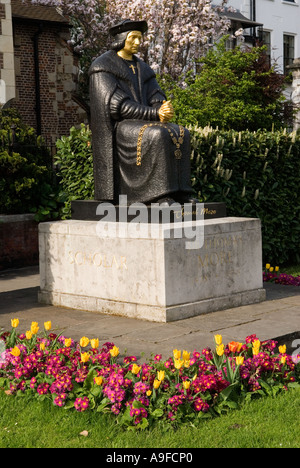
[
  {"x": 26, "y": 10},
  {"x": 237, "y": 17}
]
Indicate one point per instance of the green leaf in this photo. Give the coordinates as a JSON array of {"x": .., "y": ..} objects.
[
  {"x": 126, "y": 419},
  {"x": 103, "y": 405},
  {"x": 89, "y": 381},
  {"x": 158, "y": 413},
  {"x": 69, "y": 405},
  {"x": 228, "y": 391},
  {"x": 96, "y": 391}
]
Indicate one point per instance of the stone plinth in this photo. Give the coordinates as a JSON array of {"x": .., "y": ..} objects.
[{"x": 159, "y": 274}]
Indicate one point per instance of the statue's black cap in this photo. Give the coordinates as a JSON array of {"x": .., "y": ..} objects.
[{"x": 129, "y": 25}]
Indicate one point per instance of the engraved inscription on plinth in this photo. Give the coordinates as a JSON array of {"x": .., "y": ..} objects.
[
  {"x": 216, "y": 258},
  {"x": 97, "y": 259}
]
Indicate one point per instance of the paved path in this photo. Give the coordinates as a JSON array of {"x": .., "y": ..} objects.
[{"x": 278, "y": 316}]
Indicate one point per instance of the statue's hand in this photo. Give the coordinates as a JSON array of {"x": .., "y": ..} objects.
[{"x": 166, "y": 112}]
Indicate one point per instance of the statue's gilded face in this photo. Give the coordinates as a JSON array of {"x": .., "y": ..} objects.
[{"x": 133, "y": 42}]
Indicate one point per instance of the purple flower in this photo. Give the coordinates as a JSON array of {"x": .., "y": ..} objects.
[
  {"x": 201, "y": 405},
  {"x": 60, "y": 400},
  {"x": 43, "y": 388},
  {"x": 81, "y": 404}
]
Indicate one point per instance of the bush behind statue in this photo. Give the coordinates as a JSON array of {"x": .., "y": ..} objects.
[
  {"x": 255, "y": 173},
  {"x": 74, "y": 160},
  {"x": 234, "y": 89}
]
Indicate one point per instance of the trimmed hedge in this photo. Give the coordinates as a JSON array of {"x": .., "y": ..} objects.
[{"x": 257, "y": 175}]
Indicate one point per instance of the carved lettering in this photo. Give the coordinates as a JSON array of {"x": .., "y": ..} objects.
[
  {"x": 123, "y": 263},
  {"x": 97, "y": 259},
  {"x": 217, "y": 253},
  {"x": 214, "y": 259},
  {"x": 71, "y": 259}
]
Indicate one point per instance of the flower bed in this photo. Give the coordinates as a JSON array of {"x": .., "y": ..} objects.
[
  {"x": 271, "y": 274},
  {"x": 184, "y": 388}
]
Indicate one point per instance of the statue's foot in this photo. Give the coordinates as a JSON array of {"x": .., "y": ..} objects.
[
  {"x": 167, "y": 201},
  {"x": 185, "y": 198}
]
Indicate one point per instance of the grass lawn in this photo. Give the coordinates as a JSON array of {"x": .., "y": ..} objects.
[{"x": 264, "y": 423}]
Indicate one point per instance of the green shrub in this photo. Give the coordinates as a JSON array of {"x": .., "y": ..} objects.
[
  {"x": 74, "y": 159},
  {"x": 26, "y": 178},
  {"x": 19, "y": 183},
  {"x": 257, "y": 175},
  {"x": 236, "y": 89}
]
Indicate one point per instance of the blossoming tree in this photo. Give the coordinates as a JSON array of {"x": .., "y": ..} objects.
[{"x": 179, "y": 33}]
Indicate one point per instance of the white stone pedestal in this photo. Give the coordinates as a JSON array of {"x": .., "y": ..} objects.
[{"x": 159, "y": 276}]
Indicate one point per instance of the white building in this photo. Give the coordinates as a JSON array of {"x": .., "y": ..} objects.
[
  {"x": 280, "y": 30},
  {"x": 7, "y": 66}
]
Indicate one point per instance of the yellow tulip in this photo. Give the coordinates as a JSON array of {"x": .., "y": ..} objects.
[
  {"x": 156, "y": 384},
  {"x": 282, "y": 349},
  {"x": 84, "y": 341},
  {"x": 68, "y": 342},
  {"x": 186, "y": 356},
  {"x": 218, "y": 339},
  {"x": 256, "y": 344},
  {"x": 95, "y": 343},
  {"x": 187, "y": 363},
  {"x": 28, "y": 335},
  {"x": 283, "y": 359},
  {"x": 186, "y": 384},
  {"x": 161, "y": 375},
  {"x": 34, "y": 328},
  {"x": 176, "y": 354},
  {"x": 148, "y": 392},
  {"x": 114, "y": 352},
  {"x": 47, "y": 325},
  {"x": 277, "y": 268},
  {"x": 84, "y": 357},
  {"x": 220, "y": 350},
  {"x": 178, "y": 363},
  {"x": 239, "y": 360},
  {"x": 15, "y": 323},
  {"x": 99, "y": 380},
  {"x": 42, "y": 346},
  {"x": 271, "y": 269},
  {"x": 268, "y": 266},
  {"x": 15, "y": 351},
  {"x": 135, "y": 369},
  {"x": 255, "y": 351}
]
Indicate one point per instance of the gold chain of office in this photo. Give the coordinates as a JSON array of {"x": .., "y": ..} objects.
[{"x": 177, "y": 141}]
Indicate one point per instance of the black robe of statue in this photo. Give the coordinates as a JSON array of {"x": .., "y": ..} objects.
[{"x": 122, "y": 103}]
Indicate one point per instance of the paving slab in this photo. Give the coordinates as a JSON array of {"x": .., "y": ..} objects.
[{"x": 278, "y": 316}]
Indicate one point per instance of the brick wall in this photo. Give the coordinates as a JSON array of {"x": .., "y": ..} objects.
[
  {"x": 58, "y": 70},
  {"x": 18, "y": 241}
]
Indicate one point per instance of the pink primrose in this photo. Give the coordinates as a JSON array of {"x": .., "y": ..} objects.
[
  {"x": 201, "y": 405},
  {"x": 81, "y": 404}
]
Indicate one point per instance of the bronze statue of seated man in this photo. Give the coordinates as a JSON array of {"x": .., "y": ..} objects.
[{"x": 137, "y": 151}]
